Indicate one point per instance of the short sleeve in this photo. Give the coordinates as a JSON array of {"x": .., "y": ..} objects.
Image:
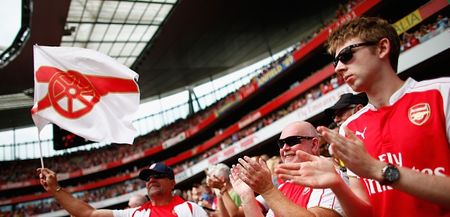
[
  {"x": 198, "y": 211},
  {"x": 325, "y": 198},
  {"x": 123, "y": 212}
]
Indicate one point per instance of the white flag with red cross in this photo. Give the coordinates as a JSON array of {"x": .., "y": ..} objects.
[{"x": 85, "y": 92}]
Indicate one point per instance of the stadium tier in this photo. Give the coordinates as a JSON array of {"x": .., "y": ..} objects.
[{"x": 222, "y": 133}]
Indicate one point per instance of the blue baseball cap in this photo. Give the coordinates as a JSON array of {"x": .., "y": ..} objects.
[{"x": 156, "y": 168}]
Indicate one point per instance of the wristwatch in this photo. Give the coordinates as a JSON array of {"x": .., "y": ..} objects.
[{"x": 390, "y": 174}]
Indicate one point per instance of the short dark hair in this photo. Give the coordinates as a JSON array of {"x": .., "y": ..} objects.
[{"x": 368, "y": 29}]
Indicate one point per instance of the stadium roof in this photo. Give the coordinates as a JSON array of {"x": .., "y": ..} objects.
[{"x": 197, "y": 41}]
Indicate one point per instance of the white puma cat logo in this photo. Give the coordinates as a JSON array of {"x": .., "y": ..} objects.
[{"x": 361, "y": 133}]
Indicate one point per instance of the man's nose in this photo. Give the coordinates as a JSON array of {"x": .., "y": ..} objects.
[{"x": 339, "y": 69}]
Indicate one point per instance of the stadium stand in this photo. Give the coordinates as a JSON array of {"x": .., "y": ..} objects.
[{"x": 302, "y": 98}]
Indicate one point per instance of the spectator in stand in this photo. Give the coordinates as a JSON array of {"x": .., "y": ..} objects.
[
  {"x": 159, "y": 182},
  {"x": 324, "y": 145},
  {"x": 347, "y": 105},
  {"x": 196, "y": 193},
  {"x": 289, "y": 199},
  {"x": 398, "y": 144},
  {"x": 271, "y": 164},
  {"x": 442, "y": 23},
  {"x": 177, "y": 192},
  {"x": 334, "y": 82},
  {"x": 406, "y": 41},
  {"x": 228, "y": 201},
  {"x": 136, "y": 200},
  {"x": 414, "y": 40},
  {"x": 206, "y": 199}
]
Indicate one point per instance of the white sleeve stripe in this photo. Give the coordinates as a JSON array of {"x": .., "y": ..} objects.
[
  {"x": 324, "y": 198},
  {"x": 183, "y": 209},
  {"x": 321, "y": 197},
  {"x": 333, "y": 203},
  {"x": 262, "y": 203}
]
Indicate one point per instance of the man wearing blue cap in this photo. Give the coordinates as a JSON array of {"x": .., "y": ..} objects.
[{"x": 159, "y": 183}]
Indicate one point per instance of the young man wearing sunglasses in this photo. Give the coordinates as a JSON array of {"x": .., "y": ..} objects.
[
  {"x": 399, "y": 144},
  {"x": 159, "y": 183},
  {"x": 289, "y": 199}
]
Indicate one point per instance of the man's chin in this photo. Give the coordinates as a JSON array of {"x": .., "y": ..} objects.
[
  {"x": 357, "y": 86},
  {"x": 290, "y": 159},
  {"x": 153, "y": 192}
]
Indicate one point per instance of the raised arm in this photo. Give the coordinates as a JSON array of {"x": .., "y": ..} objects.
[
  {"x": 226, "y": 204},
  {"x": 74, "y": 206},
  {"x": 232, "y": 208},
  {"x": 249, "y": 204}
]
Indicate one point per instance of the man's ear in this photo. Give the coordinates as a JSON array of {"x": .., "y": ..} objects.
[
  {"x": 384, "y": 47},
  {"x": 315, "y": 146},
  {"x": 358, "y": 107}
]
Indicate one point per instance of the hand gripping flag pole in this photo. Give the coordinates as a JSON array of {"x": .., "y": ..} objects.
[{"x": 40, "y": 151}]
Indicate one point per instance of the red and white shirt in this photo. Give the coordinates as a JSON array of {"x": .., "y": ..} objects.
[
  {"x": 413, "y": 132},
  {"x": 177, "y": 208},
  {"x": 305, "y": 197}
]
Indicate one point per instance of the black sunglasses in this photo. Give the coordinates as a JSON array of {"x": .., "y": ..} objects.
[
  {"x": 157, "y": 176},
  {"x": 292, "y": 140},
  {"x": 346, "y": 54},
  {"x": 340, "y": 112}
]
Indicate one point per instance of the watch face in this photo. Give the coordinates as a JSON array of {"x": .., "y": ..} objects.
[{"x": 391, "y": 174}]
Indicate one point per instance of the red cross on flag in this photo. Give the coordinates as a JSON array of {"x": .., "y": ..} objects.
[{"x": 85, "y": 92}]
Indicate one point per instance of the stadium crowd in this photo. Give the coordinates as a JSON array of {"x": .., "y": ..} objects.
[
  {"x": 201, "y": 193},
  {"x": 47, "y": 205},
  {"x": 86, "y": 159}
]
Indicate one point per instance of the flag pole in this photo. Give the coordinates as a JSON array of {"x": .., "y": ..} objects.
[
  {"x": 40, "y": 150},
  {"x": 38, "y": 133}
]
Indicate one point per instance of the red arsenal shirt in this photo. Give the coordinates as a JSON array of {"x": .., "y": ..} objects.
[{"x": 412, "y": 132}]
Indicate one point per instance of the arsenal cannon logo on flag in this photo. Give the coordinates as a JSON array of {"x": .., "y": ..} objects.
[{"x": 84, "y": 92}]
